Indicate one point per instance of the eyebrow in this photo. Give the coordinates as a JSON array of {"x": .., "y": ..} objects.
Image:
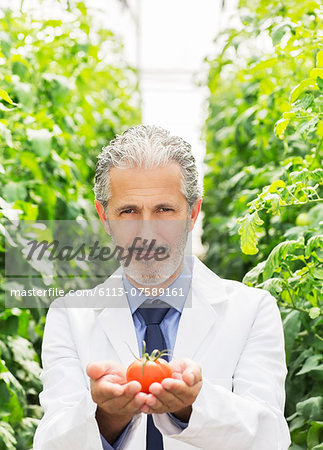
[{"x": 160, "y": 205}]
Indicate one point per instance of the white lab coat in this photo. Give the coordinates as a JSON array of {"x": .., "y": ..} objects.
[{"x": 232, "y": 331}]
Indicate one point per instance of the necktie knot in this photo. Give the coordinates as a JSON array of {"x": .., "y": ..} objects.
[{"x": 153, "y": 316}]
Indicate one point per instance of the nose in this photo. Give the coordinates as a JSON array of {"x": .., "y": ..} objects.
[{"x": 147, "y": 229}]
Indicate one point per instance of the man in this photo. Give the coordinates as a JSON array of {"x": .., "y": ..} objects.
[{"x": 227, "y": 389}]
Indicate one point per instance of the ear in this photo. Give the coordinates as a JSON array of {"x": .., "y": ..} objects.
[
  {"x": 100, "y": 210},
  {"x": 195, "y": 212}
]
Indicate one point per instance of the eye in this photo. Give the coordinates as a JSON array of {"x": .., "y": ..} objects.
[
  {"x": 127, "y": 211},
  {"x": 165, "y": 209}
]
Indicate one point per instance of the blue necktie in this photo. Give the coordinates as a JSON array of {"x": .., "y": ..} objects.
[{"x": 154, "y": 339}]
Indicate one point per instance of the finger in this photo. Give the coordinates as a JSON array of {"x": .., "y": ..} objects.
[
  {"x": 177, "y": 375},
  {"x": 132, "y": 388},
  {"x": 115, "y": 398},
  {"x": 97, "y": 369},
  {"x": 171, "y": 397},
  {"x": 177, "y": 394},
  {"x": 186, "y": 370},
  {"x": 173, "y": 385},
  {"x": 165, "y": 402},
  {"x": 156, "y": 389},
  {"x": 188, "y": 377},
  {"x": 177, "y": 367},
  {"x": 192, "y": 375},
  {"x": 153, "y": 405},
  {"x": 131, "y": 405},
  {"x": 103, "y": 391}
]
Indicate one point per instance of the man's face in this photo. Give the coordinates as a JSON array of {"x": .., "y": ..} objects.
[{"x": 148, "y": 204}]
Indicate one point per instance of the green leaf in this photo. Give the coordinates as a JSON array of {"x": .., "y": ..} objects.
[
  {"x": 312, "y": 363},
  {"x": 82, "y": 8},
  {"x": 40, "y": 141},
  {"x": 29, "y": 160},
  {"x": 319, "y": 82},
  {"x": 305, "y": 101},
  {"x": 276, "y": 184},
  {"x": 292, "y": 325},
  {"x": 311, "y": 409},
  {"x": 249, "y": 227},
  {"x": 280, "y": 128},
  {"x": 25, "y": 96},
  {"x": 319, "y": 129},
  {"x": 252, "y": 277},
  {"x": 317, "y": 175},
  {"x": 316, "y": 72},
  {"x": 289, "y": 114},
  {"x": 315, "y": 242},
  {"x": 27, "y": 430},
  {"x": 318, "y": 273},
  {"x": 279, "y": 254},
  {"x": 314, "y": 312},
  {"x": 7, "y": 437},
  {"x": 273, "y": 285},
  {"x": 308, "y": 83},
  {"x": 299, "y": 175},
  {"x": 13, "y": 191},
  {"x": 319, "y": 59},
  {"x": 6, "y": 134},
  {"x": 273, "y": 203},
  {"x": 278, "y": 32},
  {"x": 315, "y": 435},
  {"x": 17, "y": 396},
  {"x": 24, "y": 354},
  {"x": 9, "y": 325},
  {"x": 267, "y": 63},
  {"x": 30, "y": 210},
  {"x": 4, "y": 95},
  {"x": 59, "y": 85},
  {"x": 317, "y": 447},
  {"x": 5, "y": 108},
  {"x": 4, "y": 394},
  {"x": 308, "y": 127}
]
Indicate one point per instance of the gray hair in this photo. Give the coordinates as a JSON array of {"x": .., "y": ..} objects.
[{"x": 146, "y": 146}]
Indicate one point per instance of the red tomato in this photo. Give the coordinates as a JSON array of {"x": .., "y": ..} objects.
[{"x": 148, "y": 372}]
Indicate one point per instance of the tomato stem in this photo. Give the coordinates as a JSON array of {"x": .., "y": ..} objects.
[
  {"x": 145, "y": 356},
  {"x": 155, "y": 354}
]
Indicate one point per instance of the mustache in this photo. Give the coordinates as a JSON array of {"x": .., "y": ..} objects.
[
  {"x": 140, "y": 245},
  {"x": 145, "y": 248},
  {"x": 141, "y": 249}
]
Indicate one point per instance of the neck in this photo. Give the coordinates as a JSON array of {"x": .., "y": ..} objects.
[{"x": 163, "y": 285}]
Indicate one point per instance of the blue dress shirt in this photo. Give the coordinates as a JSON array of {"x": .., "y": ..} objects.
[{"x": 175, "y": 296}]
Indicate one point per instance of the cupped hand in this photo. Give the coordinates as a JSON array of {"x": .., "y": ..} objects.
[
  {"x": 177, "y": 394},
  {"x": 111, "y": 392}
]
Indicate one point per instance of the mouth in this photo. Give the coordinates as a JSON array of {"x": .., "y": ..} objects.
[{"x": 143, "y": 254}]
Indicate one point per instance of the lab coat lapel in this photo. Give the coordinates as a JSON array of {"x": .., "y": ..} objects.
[
  {"x": 116, "y": 320},
  {"x": 199, "y": 314}
]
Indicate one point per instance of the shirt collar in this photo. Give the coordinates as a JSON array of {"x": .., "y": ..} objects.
[{"x": 183, "y": 281}]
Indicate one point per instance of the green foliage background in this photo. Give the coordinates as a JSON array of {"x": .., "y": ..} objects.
[
  {"x": 263, "y": 188},
  {"x": 70, "y": 91}
]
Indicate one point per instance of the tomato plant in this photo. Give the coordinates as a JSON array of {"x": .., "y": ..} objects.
[
  {"x": 149, "y": 369},
  {"x": 263, "y": 186}
]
